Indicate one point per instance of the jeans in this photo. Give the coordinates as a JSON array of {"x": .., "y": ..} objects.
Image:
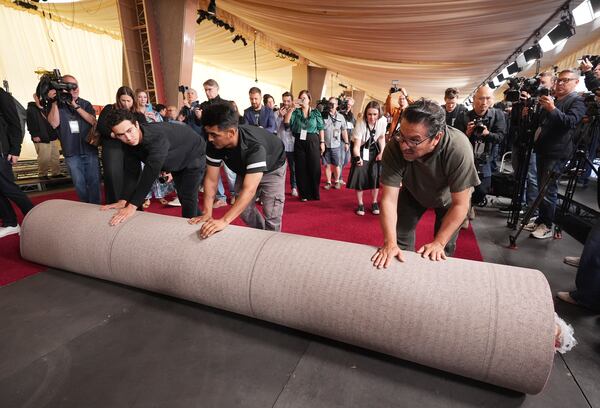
[
  {"x": 10, "y": 191},
  {"x": 231, "y": 177},
  {"x": 531, "y": 189},
  {"x": 85, "y": 174},
  {"x": 292, "y": 164},
  {"x": 545, "y": 167}
]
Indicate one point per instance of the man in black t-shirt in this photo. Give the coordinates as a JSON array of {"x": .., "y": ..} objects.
[
  {"x": 175, "y": 151},
  {"x": 256, "y": 156}
]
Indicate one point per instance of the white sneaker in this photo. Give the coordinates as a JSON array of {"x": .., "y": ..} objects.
[
  {"x": 294, "y": 192},
  {"x": 6, "y": 231},
  {"x": 572, "y": 261},
  {"x": 532, "y": 226},
  {"x": 542, "y": 232},
  {"x": 174, "y": 202}
]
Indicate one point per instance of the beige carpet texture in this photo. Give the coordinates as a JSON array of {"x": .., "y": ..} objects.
[{"x": 492, "y": 323}]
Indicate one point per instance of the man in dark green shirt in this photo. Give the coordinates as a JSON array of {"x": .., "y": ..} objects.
[{"x": 425, "y": 165}]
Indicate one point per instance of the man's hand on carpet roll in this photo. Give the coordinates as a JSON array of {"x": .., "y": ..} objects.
[
  {"x": 434, "y": 251},
  {"x": 114, "y": 206},
  {"x": 123, "y": 214},
  {"x": 199, "y": 219},
  {"x": 385, "y": 254},
  {"x": 212, "y": 226}
]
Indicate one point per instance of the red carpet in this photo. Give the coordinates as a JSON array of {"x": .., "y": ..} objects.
[{"x": 332, "y": 217}]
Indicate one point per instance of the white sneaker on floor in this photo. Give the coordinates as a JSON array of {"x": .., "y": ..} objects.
[
  {"x": 6, "y": 231},
  {"x": 532, "y": 226},
  {"x": 294, "y": 192},
  {"x": 572, "y": 261},
  {"x": 542, "y": 232},
  {"x": 174, "y": 202}
]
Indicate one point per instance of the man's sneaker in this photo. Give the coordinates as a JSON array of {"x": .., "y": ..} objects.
[
  {"x": 572, "y": 261},
  {"x": 327, "y": 186},
  {"x": 219, "y": 203},
  {"x": 232, "y": 200},
  {"x": 338, "y": 185},
  {"x": 542, "y": 232},
  {"x": 360, "y": 210},
  {"x": 174, "y": 202},
  {"x": 375, "y": 208},
  {"x": 6, "y": 231},
  {"x": 532, "y": 226},
  {"x": 294, "y": 192}
]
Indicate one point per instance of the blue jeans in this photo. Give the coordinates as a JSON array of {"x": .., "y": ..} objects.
[
  {"x": 231, "y": 177},
  {"x": 545, "y": 167},
  {"x": 85, "y": 174},
  {"x": 290, "y": 160}
]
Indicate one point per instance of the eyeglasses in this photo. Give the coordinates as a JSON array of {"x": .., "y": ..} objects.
[
  {"x": 399, "y": 137},
  {"x": 564, "y": 80}
]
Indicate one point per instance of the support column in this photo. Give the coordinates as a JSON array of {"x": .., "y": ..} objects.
[
  {"x": 359, "y": 101},
  {"x": 299, "y": 79},
  {"x": 316, "y": 81}
]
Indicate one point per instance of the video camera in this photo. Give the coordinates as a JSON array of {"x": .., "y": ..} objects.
[
  {"x": 593, "y": 108},
  {"x": 324, "y": 106},
  {"x": 530, "y": 85},
  {"x": 52, "y": 80}
]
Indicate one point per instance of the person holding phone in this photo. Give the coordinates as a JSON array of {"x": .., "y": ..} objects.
[{"x": 309, "y": 144}]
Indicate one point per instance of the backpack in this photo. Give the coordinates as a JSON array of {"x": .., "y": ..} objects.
[{"x": 21, "y": 113}]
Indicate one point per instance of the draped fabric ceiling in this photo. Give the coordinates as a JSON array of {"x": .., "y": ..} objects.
[{"x": 427, "y": 46}]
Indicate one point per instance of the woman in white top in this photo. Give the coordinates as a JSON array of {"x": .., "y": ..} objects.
[{"x": 368, "y": 140}]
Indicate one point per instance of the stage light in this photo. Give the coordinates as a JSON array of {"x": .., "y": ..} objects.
[
  {"x": 513, "y": 68},
  {"x": 583, "y": 13},
  {"x": 546, "y": 44},
  {"x": 595, "y": 5},
  {"x": 492, "y": 85},
  {"x": 533, "y": 53},
  {"x": 561, "y": 32},
  {"x": 501, "y": 78}
]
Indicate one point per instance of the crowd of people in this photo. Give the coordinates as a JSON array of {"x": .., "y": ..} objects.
[{"x": 417, "y": 153}]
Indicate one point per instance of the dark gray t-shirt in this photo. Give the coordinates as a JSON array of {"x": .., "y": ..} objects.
[{"x": 450, "y": 168}]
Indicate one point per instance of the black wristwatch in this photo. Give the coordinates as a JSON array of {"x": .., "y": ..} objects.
[{"x": 77, "y": 107}]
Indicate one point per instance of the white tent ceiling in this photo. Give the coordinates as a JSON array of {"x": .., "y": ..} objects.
[{"x": 427, "y": 45}]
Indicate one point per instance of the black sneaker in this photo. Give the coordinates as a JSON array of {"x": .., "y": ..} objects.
[
  {"x": 360, "y": 210},
  {"x": 375, "y": 208}
]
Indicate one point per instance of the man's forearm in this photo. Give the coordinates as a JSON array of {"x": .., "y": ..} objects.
[
  {"x": 241, "y": 202},
  {"x": 451, "y": 222},
  {"x": 388, "y": 219},
  {"x": 91, "y": 119},
  {"x": 54, "y": 116},
  {"x": 210, "y": 192}
]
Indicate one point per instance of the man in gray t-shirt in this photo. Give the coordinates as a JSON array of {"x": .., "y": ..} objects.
[{"x": 426, "y": 165}]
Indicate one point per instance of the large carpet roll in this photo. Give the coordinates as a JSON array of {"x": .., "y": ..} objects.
[{"x": 489, "y": 322}]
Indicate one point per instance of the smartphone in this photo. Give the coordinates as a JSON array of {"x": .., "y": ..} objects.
[{"x": 149, "y": 107}]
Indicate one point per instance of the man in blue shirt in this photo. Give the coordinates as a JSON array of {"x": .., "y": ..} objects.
[
  {"x": 74, "y": 120},
  {"x": 258, "y": 114}
]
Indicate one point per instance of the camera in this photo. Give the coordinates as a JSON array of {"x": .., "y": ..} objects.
[
  {"x": 594, "y": 59},
  {"x": 530, "y": 85},
  {"x": 591, "y": 104},
  {"x": 52, "y": 80},
  {"x": 163, "y": 179},
  {"x": 183, "y": 88},
  {"x": 480, "y": 125}
]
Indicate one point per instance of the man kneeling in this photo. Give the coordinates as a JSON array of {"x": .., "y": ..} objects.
[
  {"x": 175, "y": 151},
  {"x": 258, "y": 159}
]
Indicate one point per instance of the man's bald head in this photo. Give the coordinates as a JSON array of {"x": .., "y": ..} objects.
[{"x": 483, "y": 100}]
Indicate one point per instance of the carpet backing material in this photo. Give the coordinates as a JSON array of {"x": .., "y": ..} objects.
[{"x": 493, "y": 323}]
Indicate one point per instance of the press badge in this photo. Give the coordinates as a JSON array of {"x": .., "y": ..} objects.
[
  {"x": 336, "y": 134},
  {"x": 365, "y": 154},
  {"x": 74, "y": 125},
  {"x": 303, "y": 134}
]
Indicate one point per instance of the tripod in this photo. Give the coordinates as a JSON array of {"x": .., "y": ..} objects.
[
  {"x": 525, "y": 129},
  {"x": 574, "y": 167}
]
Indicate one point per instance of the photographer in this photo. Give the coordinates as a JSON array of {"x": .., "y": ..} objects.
[
  {"x": 452, "y": 107},
  {"x": 45, "y": 139},
  {"x": 554, "y": 144},
  {"x": 347, "y": 113},
  {"x": 74, "y": 117},
  {"x": 335, "y": 134},
  {"x": 11, "y": 137},
  {"x": 258, "y": 114},
  {"x": 485, "y": 127},
  {"x": 590, "y": 68},
  {"x": 169, "y": 150}
]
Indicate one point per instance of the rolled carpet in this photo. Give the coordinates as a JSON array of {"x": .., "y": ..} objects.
[{"x": 493, "y": 323}]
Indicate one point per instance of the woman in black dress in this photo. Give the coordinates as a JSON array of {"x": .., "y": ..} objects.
[{"x": 368, "y": 140}]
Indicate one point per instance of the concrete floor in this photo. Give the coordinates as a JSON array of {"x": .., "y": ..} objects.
[{"x": 71, "y": 341}]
